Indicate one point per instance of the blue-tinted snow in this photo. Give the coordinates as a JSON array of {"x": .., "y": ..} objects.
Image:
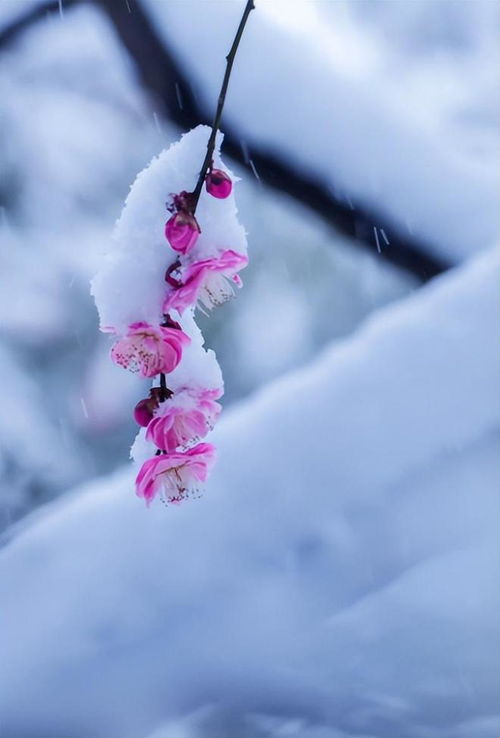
[{"x": 341, "y": 569}]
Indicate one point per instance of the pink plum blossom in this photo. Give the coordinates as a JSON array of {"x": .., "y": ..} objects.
[
  {"x": 150, "y": 349},
  {"x": 174, "y": 476},
  {"x": 182, "y": 231},
  {"x": 183, "y": 419},
  {"x": 218, "y": 184},
  {"x": 209, "y": 282}
]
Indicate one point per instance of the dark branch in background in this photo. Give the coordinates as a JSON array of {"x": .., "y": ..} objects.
[
  {"x": 166, "y": 82},
  {"x": 12, "y": 31}
]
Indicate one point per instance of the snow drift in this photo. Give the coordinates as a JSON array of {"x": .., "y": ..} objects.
[{"x": 341, "y": 567}]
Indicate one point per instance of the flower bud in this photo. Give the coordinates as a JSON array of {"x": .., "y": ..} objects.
[
  {"x": 143, "y": 413},
  {"x": 218, "y": 184},
  {"x": 181, "y": 231}
]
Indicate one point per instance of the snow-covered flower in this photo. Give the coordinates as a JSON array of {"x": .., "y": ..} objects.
[
  {"x": 182, "y": 231},
  {"x": 174, "y": 476},
  {"x": 218, "y": 184},
  {"x": 209, "y": 282},
  {"x": 150, "y": 349},
  {"x": 186, "y": 417},
  {"x": 179, "y": 411}
]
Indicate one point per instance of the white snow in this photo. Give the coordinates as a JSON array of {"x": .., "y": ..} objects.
[
  {"x": 338, "y": 577},
  {"x": 340, "y": 571},
  {"x": 131, "y": 285},
  {"x": 73, "y": 136}
]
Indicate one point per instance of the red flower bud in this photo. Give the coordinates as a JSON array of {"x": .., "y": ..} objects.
[
  {"x": 218, "y": 184},
  {"x": 143, "y": 413},
  {"x": 182, "y": 231}
]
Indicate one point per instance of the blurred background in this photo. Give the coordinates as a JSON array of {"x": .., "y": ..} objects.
[
  {"x": 338, "y": 579},
  {"x": 366, "y": 156}
]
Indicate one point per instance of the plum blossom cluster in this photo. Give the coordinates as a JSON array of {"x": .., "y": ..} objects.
[
  {"x": 199, "y": 270},
  {"x": 159, "y": 338}
]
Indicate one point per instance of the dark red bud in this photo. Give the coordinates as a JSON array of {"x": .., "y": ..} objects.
[{"x": 218, "y": 184}]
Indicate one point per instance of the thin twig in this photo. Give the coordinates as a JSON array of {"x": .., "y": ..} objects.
[
  {"x": 163, "y": 387},
  {"x": 220, "y": 105},
  {"x": 193, "y": 200}
]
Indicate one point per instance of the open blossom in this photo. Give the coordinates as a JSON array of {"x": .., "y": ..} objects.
[
  {"x": 150, "y": 349},
  {"x": 174, "y": 476},
  {"x": 209, "y": 282},
  {"x": 183, "y": 419}
]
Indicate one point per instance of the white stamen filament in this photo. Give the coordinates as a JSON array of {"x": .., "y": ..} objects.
[{"x": 216, "y": 290}]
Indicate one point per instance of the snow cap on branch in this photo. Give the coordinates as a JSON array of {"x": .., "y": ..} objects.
[
  {"x": 130, "y": 286},
  {"x": 154, "y": 278}
]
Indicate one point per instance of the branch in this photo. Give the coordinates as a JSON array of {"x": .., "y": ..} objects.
[
  {"x": 166, "y": 82},
  {"x": 220, "y": 104},
  {"x": 13, "y": 30}
]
